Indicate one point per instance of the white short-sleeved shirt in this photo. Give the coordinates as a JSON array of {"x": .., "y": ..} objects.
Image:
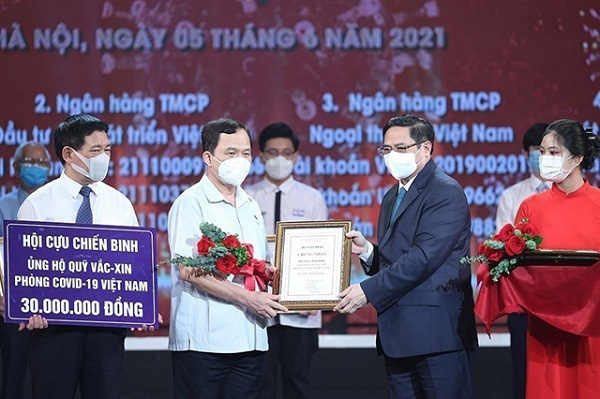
[
  {"x": 298, "y": 202},
  {"x": 59, "y": 201},
  {"x": 511, "y": 199},
  {"x": 199, "y": 321}
]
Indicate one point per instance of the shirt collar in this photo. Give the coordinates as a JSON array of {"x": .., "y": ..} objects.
[
  {"x": 534, "y": 182},
  {"x": 72, "y": 187},
  {"x": 214, "y": 195},
  {"x": 285, "y": 187},
  {"x": 581, "y": 191},
  {"x": 408, "y": 184}
]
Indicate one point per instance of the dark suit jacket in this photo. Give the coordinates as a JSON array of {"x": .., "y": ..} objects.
[{"x": 421, "y": 291}]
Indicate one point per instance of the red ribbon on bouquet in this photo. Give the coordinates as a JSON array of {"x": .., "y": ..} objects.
[{"x": 255, "y": 273}]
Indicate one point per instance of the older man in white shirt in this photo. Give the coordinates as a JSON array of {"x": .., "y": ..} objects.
[
  {"x": 61, "y": 358},
  {"x": 218, "y": 332},
  {"x": 293, "y": 338},
  {"x": 508, "y": 205}
]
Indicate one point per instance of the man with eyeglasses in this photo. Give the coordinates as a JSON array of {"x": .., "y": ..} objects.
[
  {"x": 422, "y": 293},
  {"x": 31, "y": 164},
  {"x": 293, "y": 338}
]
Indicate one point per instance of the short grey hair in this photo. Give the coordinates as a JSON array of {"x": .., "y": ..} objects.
[{"x": 21, "y": 148}]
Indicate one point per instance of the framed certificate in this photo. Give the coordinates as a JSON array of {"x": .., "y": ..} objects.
[{"x": 313, "y": 262}]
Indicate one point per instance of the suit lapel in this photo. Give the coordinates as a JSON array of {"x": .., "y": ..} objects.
[
  {"x": 411, "y": 195},
  {"x": 386, "y": 209}
]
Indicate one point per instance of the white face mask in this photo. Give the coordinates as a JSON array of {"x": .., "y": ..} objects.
[
  {"x": 551, "y": 168},
  {"x": 401, "y": 165},
  {"x": 233, "y": 171},
  {"x": 97, "y": 166},
  {"x": 279, "y": 168}
]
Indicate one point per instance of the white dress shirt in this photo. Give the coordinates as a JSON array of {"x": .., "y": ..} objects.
[
  {"x": 298, "y": 202},
  {"x": 59, "y": 201},
  {"x": 199, "y": 321},
  {"x": 511, "y": 199}
]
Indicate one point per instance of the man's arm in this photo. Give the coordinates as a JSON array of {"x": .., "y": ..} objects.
[
  {"x": 184, "y": 220},
  {"x": 260, "y": 303},
  {"x": 26, "y": 211}
]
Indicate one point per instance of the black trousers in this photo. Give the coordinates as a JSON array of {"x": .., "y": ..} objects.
[
  {"x": 517, "y": 326},
  {"x": 204, "y": 375},
  {"x": 291, "y": 350},
  {"x": 62, "y": 357},
  {"x": 434, "y": 376},
  {"x": 13, "y": 344}
]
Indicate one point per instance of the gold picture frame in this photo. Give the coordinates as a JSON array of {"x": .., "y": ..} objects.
[{"x": 313, "y": 263}]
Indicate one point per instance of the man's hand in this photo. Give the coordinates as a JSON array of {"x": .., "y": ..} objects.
[
  {"x": 145, "y": 328},
  {"x": 263, "y": 304},
  {"x": 359, "y": 243},
  {"x": 185, "y": 273},
  {"x": 353, "y": 298},
  {"x": 36, "y": 322},
  {"x": 271, "y": 270}
]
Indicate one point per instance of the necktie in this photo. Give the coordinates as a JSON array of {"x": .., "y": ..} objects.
[
  {"x": 277, "y": 208},
  {"x": 399, "y": 197},
  {"x": 541, "y": 188},
  {"x": 84, "y": 215}
]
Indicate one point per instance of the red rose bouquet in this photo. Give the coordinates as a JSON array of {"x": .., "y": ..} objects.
[
  {"x": 219, "y": 252},
  {"x": 503, "y": 251}
]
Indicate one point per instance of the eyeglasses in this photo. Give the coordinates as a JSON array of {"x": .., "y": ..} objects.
[
  {"x": 273, "y": 153},
  {"x": 386, "y": 149},
  {"x": 35, "y": 161}
]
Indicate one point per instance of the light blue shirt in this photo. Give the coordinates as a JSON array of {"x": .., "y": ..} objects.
[
  {"x": 199, "y": 321},
  {"x": 9, "y": 206}
]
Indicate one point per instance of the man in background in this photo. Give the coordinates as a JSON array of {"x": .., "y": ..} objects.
[
  {"x": 293, "y": 338},
  {"x": 31, "y": 164},
  {"x": 509, "y": 203}
]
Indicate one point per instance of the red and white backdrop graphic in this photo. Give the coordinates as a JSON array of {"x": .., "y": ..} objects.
[{"x": 156, "y": 71}]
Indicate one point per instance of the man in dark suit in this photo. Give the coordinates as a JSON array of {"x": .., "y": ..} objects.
[{"x": 421, "y": 291}]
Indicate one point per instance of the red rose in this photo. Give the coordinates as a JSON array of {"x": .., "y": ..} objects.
[
  {"x": 204, "y": 245},
  {"x": 515, "y": 246},
  {"x": 482, "y": 249},
  {"x": 493, "y": 255},
  {"x": 227, "y": 264},
  {"x": 528, "y": 229},
  {"x": 231, "y": 242},
  {"x": 506, "y": 233}
]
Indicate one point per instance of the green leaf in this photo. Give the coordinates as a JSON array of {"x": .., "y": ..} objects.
[
  {"x": 538, "y": 240},
  {"x": 211, "y": 231}
]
